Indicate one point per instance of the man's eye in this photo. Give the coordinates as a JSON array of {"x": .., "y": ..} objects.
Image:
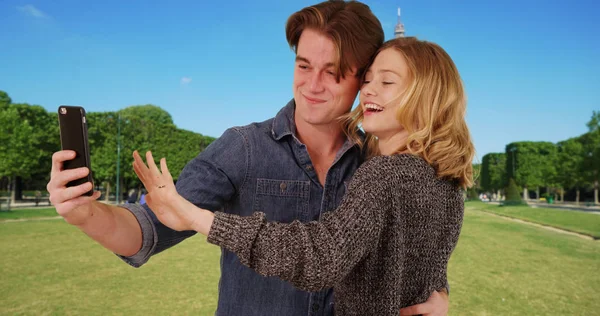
[
  {"x": 331, "y": 73},
  {"x": 303, "y": 66},
  {"x": 366, "y": 81}
]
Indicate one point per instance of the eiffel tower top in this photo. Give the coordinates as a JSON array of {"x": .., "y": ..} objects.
[{"x": 399, "y": 29}]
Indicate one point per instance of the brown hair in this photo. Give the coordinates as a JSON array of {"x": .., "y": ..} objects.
[
  {"x": 432, "y": 112},
  {"x": 353, "y": 28}
]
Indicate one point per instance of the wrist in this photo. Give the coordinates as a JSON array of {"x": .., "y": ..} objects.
[
  {"x": 80, "y": 215},
  {"x": 173, "y": 198},
  {"x": 203, "y": 220},
  {"x": 193, "y": 216},
  {"x": 96, "y": 221}
]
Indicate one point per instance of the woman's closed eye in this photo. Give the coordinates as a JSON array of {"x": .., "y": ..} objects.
[{"x": 384, "y": 82}]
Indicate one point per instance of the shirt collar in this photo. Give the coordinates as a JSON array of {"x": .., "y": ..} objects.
[{"x": 283, "y": 123}]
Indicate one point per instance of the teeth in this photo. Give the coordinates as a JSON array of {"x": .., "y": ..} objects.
[{"x": 372, "y": 106}]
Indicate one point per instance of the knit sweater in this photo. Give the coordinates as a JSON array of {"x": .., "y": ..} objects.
[{"x": 385, "y": 247}]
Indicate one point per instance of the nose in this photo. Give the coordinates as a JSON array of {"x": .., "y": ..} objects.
[
  {"x": 316, "y": 82},
  {"x": 368, "y": 89}
]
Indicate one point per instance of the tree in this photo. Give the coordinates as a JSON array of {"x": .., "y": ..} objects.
[
  {"x": 530, "y": 164},
  {"x": 594, "y": 123},
  {"x": 493, "y": 172},
  {"x": 548, "y": 164},
  {"x": 4, "y": 100},
  {"x": 570, "y": 172},
  {"x": 476, "y": 176},
  {"x": 29, "y": 135},
  {"x": 142, "y": 128},
  {"x": 591, "y": 144},
  {"x": 15, "y": 138},
  {"x": 513, "y": 197},
  {"x": 26, "y": 142},
  {"x": 185, "y": 145},
  {"x": 102, "y": 135}
]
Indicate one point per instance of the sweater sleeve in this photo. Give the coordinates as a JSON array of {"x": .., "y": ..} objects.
[{"x": 315, "y": 255}]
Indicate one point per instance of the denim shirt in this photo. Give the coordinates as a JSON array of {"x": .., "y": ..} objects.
[{"x": 258, "y": 167}]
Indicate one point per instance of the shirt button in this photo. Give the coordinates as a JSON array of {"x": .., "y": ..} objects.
[
  {"x": 283, "y": 186},
  {"x": 309, "y": 167}
]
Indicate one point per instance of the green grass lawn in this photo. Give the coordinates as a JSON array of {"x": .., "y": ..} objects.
[
  {"x": 575, "y": 221},
  {"x": 499, "y": 268},
  {"x": 27, "y": 213},
  {"x": 505, "y": 268},
  {"x": 50, "y": 267}
]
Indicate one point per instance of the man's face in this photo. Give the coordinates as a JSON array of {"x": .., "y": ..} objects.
[{"x": 319, "y": 98}]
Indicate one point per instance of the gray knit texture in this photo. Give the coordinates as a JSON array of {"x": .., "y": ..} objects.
[{"x": 385, "y": 247}]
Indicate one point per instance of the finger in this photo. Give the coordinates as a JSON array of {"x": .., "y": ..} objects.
[
  {"x": 72, "y": 204},
  {"x": 139, "y": 161},
  {"x": 76, "y": 191},
  {"x": 137, "y": 171},
  {"x": 165, "y": 169},
  {"x": 62, "y": 178},
  {"x": 142, "y": 168},
  {"x": 415, "y": 310},
  {"x": 70, "y": 193},
  {"x": 152, "y": 165},
  {"x": 141, "y": 174},
  {"x": 58, "y": 158}
]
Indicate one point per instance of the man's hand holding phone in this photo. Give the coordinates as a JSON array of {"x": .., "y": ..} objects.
[
  {"x": 70, "y": 185},
  {"x": 70, "y": 202},
  {"x": 72, "y": 191}
]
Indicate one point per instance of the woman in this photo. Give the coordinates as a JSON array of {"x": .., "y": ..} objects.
[{"x": 388, "y": 244}]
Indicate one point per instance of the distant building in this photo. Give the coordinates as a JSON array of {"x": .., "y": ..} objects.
[{"x": 399, "y": 29}]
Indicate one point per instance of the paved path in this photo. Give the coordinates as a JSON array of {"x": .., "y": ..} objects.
[
  {"x": 572, "y": 207},
  {"x": 554, "y": 229},
  {"x": 22, "y": 205},
  {"x": 470, "y": 208},
  {"x": 30, "y": 219},
  {"x": 565, "y": 207}
]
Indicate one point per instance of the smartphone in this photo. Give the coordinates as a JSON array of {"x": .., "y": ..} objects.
[{"x": 74, "y": 136}]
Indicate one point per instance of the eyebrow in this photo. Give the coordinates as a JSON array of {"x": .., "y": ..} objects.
[
  {"x": 384, "y": 71},
  {"x": 303, "y": 59}
]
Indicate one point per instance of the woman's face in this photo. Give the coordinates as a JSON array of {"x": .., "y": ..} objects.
[{"x": 385, "y": 83}]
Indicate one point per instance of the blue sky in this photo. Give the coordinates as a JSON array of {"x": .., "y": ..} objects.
[{"x": 530, "y": 68}]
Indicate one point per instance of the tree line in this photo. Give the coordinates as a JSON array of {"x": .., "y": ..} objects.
[
  {"x": 29, "y": 135},
  {"x": 571, "y": 165}
]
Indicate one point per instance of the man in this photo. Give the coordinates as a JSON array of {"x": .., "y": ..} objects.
[{"x": 294, "y": 166}]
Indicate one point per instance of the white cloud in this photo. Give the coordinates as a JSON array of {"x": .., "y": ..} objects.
[
  {"x": 32, "y": 11},
  {"x": 186, "y": 80}
]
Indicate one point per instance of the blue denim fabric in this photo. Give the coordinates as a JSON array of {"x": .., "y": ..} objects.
[{"x": 258, "y": 167}]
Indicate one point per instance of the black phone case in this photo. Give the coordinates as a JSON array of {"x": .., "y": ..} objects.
[{"x": 74, "y": 136}]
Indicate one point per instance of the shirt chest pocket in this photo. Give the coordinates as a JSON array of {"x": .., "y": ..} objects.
[{"x": 282, "y": 200}]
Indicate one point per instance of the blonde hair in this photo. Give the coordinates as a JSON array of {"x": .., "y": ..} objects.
[
  {"x": 432, "y": 112},
  {"x": 353, "y": 28}
]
